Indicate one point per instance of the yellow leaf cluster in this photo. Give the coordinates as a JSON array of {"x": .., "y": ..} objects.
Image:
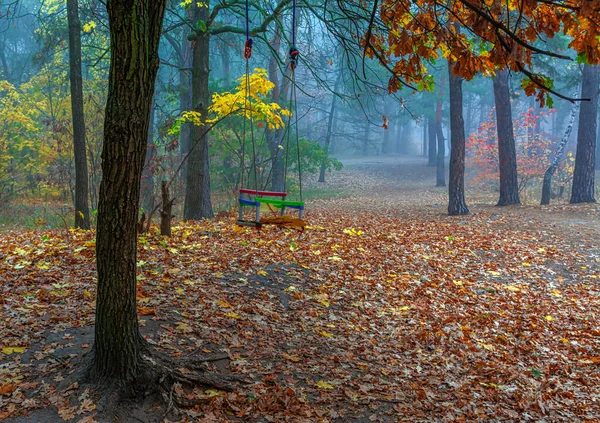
[{"x": 253, "y": 106}]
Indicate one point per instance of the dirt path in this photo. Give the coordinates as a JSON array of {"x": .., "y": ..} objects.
[{"x": 405, "y": 186}]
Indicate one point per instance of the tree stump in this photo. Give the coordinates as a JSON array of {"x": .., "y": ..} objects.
[{"x": 166, "y": 212}]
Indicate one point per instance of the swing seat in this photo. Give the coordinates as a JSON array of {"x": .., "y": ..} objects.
[{"x": 280, "y": 204}]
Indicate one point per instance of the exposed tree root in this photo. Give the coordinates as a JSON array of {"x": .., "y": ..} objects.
[{"x": 164, "y": 377}]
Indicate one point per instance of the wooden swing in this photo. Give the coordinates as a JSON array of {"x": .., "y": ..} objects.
[{"x": 276, "y": 202}]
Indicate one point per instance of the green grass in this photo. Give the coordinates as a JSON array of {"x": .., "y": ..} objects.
[
  {"x": 323, "y": 192},
  {"x": 21, "y": 216}
]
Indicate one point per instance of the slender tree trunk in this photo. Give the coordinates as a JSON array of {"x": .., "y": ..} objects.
[
  {"x": 456, "y": 185},
  {"x": 405, "y": 139},
  {"x": 424, "y": 144},
  {"x": 135, "y": 28},
  {"x": 441, "y": 144},
  {"x": 585, "y": 160},
  {"x": 385, "y": 144},
  {"x": 547, "y": 183},
  {"x": 330, "y": 119},
  {"x": 507, "y": 153},
  {"x": 399, "y": 135},
  {"x": 82, "y": 214},
  {"x": 275, "y": 136},
  {"x": 366, "y": 136},
  {"x": 198, "y": 204},
  {"x": 432, "y": 150}
]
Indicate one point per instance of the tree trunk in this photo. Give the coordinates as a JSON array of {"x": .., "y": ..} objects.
[
  {"x": 147, "y": 184},
  {"x": 385, "y": 144},
  {"x": 405, "y": 139},
  {"x": 585, "y": 159},
  {"x": 166, "y": 213},
  {"x": 366, "y": 136},
  {"x": 198, "y": 204},
  {"x": 330, "y": 119},
  {"x": 399, "y": 135},
  {"x": 507, "y": 153},
  {"x": 441, "y": 144},
  {"x": 275, "y": 136},
  {"x": 82, "y": 214},
  {"x": 185, "y": 97},
  {"x": 432, "y": 150},
  {"x": 547, "y": 183},
  {"x": 135, "y": 28},
  {"x": 456, "y": 185}
]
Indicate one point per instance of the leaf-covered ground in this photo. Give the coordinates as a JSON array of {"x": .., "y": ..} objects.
[{"x": 389, "y": 314}]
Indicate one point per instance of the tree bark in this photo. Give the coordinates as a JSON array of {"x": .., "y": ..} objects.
[
  {"x": 198, "y": 204},
  {"x": 135, "y": 28},
  {"x": 82, "y": 214},
  {"x": 441, "y": 145},
  {"x": 147, "y": 184},
  {"x": 456, "y": 186},
  {"x": 432, "y": 150},
  {"x": 166, "y": 213},
  {"x": 547, "y": 183},
  {"x": 585, "y": 159},
  {"x": 507, "y": 153}
]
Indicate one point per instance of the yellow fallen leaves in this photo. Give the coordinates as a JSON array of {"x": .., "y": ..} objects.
[
  {"x": 224, "y": 304},
  {"x": 512, "y": 288},
  {"x": 325, "y": 334},
  {"x": 12, "y": 350},
  {"x": 493, "y": 273},
  {"x": 549, "y": 318},
  {"x": 183, "y": 328},
  {"x": 353, "y": 232},
  {"x": 324, "y": 385},
  {"x": 233, "y": 315},
  {"x": 335, "y": 258},
  {"x": 291, "y": 357},
  {"x": 488, "y": 347}
]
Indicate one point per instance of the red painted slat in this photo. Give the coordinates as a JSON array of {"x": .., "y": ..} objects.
[{"x": 263, "y": 193}]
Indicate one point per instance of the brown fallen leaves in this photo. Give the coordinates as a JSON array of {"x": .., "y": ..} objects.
[{"x": 359, "y": 316}]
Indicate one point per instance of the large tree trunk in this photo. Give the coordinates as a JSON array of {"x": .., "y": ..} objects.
[
  {"x": 507, "y": 153},
  {"x": 583, "y": 176},
  {"x": 456, "y": 185},
  {"x": 135, "y": 28},
  {"x": 432, "y": 150},
  {"x": 82, "y": 215},
  {"x": 198, "y": 204},
  {"x": 440, "y": 172},
  {"x": 330, "y": 119}
]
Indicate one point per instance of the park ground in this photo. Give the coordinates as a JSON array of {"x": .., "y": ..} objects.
[{"x": 385, "y": 309}]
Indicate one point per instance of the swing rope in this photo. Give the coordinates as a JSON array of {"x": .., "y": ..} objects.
[
  {"x": 247, "y": 55},
  {"x": 293, "y": 107},
  {"x": 273, "y": 205}
]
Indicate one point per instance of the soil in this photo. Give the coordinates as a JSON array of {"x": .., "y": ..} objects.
[{"x": 392, "y": 186}]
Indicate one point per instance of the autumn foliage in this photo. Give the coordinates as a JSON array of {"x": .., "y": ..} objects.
[
  {"x": 534, "y": 152},
  {"x": 495, "y": 34}
]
